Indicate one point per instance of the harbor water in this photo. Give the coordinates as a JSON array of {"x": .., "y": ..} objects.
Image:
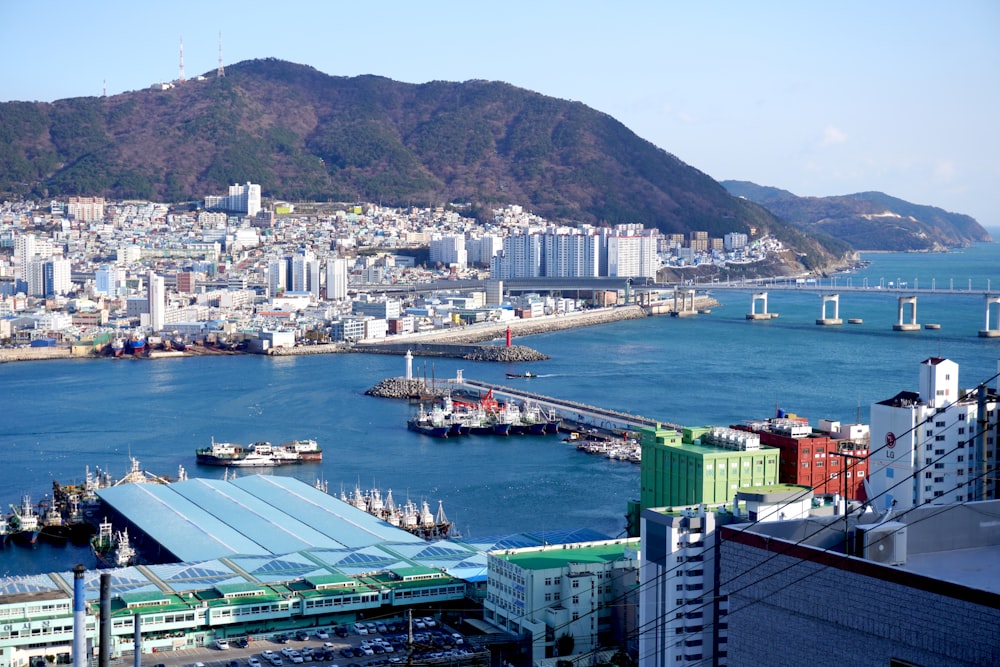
[{"x": 61, "y": 416}]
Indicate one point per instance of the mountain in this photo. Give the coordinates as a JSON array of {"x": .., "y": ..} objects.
[
  {"x": 305, "y": 135},
  {"x": 867, "y": 220}
]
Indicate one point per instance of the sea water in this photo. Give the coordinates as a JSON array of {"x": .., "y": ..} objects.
[{"x": 61, "y": 416}]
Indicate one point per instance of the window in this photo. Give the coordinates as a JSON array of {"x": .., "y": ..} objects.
[
  {"x": 961, "y": 458},
  {"x": 548, "y": 597},
  {"x": 548, "y": 581},
  {"x": 819, "y": 464},
  {"x": 961, "y": 417},
  {"x": 929, "y": 432},
  {"x": 576, "y": 583},
  {"x": 939, "y": 438},
  {"x": 939, "y": 423},
  {"x": 805, "y": 464},
  {"x": 861, "y": 473},
  {"x": 961, "y": 430}
]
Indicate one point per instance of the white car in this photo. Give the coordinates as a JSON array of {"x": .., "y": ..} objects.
[
  {"x": 253, "y": 662},
  {"x": 222, "y": 644},
  {"x": 322, "y": 634}
]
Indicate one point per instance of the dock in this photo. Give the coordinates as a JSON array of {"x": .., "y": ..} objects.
[{"x": 575, "y": 416}]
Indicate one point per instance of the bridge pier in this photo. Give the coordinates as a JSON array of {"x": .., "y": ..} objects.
[
  {"x": 988, "y": 332},
  {"x": 912, "y": 324},
  {"x": 763, "y": 315},
  {"x": 684, "y": 302},
  {"x": 829, "y": 321}
]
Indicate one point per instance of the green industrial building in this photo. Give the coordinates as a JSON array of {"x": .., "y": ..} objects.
[{"x": 702, "y": 465}]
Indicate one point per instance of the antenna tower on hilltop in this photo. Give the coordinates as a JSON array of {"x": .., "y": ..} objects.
[
  {"x": 221, "y": 72},
  {"x": 181, "y": 77}
]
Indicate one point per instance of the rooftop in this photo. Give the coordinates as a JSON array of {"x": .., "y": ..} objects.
[{"x": 555, "y": 556}]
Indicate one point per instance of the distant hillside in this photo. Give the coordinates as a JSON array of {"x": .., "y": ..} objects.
[
  {"x": 304, "y": 135},
  {"x": 867, "y": 220}
]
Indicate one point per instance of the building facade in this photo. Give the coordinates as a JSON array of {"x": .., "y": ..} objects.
[
  {"x": 571, "y": 599},
  {"x": 937, "y": 445},
  {"x": 702, "y": 465}
]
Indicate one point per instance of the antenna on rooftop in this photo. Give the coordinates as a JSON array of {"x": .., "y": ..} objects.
[
  {"x": 104, "y": 89},
  {"x": 221, "y": 72},
  {"x": 181, "y": 77}
]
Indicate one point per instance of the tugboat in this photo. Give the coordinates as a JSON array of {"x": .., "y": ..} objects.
[{"x": 525, "y": 374}]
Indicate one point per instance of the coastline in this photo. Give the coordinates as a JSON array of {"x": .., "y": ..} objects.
[{"x": 465, "y": 335}]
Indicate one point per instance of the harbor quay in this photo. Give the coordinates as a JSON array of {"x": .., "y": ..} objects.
[{"x": 574, "y": 416}]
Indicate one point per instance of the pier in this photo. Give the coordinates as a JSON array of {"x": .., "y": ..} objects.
[{"x": 574, "y": 415}]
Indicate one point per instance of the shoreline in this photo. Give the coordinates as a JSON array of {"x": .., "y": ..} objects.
[{"x": 466, "y": 335}]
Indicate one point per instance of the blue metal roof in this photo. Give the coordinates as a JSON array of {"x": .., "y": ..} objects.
[
  {"x": 201, "y": 519},
  {"x": 182, "y": 527}
]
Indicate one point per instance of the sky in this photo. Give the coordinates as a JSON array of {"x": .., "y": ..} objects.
[{"x": 819, "y": 98}]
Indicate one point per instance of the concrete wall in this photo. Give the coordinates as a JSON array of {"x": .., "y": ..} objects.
[{"x": 808, "y": 607}]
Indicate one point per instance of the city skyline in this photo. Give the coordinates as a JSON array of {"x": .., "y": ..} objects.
[{"x": 819, "y": 100}]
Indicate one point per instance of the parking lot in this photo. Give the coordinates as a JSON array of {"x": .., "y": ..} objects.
[{"x": 363, "y": 644}]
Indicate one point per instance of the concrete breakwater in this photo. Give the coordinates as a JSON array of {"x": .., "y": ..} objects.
[{"x": 500, "y": 353}]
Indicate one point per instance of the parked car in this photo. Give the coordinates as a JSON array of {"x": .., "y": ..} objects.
[
  {"x": 253, "y": 662},
  {"x": 322, "y": 634},
  {"x": 341, "y": 631},
  {"x": 222, "y": 644},
  {"x": 302, "y": 635}
]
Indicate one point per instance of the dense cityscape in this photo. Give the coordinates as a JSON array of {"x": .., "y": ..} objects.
[{"x": 84, "y": 270}]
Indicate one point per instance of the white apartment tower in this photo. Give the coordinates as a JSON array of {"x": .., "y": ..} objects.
[
  {"x": 244, "y": 198},
  {"x": 157, "y": 297},
  {"x": 305, "y": 273},
  {"x": 449, "y": 250},
  {"x": 936, "y": 446},
  {"x": 277, "y": 272},
  {"x": 336, "y": 279},
  {"x": 57, "y": 276}
]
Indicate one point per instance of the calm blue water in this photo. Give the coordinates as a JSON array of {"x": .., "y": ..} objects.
[{"x": 59, "y": 417}]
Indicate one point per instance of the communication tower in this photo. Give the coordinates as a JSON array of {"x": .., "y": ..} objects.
[
  {"x": 221, "y": 72},
  {"x": 180, "y": 79}
]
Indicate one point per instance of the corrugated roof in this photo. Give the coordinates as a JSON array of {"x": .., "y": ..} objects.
[{"x": 201, "y": 519}]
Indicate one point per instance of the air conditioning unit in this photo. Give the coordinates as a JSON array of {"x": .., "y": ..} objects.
[{"x": 883, "y": 543}]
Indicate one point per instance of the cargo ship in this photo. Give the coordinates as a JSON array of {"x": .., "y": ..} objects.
[{"x": 259, "y": 454}]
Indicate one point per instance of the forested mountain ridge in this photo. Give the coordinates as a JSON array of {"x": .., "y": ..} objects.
[
  {"x": 305, "y": 135},
  {"x": 867, "y": 220}
]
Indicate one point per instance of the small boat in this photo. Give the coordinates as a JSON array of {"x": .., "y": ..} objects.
[{"x": 525, "y": 374}]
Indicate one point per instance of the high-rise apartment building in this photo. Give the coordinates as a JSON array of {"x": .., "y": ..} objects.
[
  {"x": 86, "y": 209},
  {"x": 336, "y": 279},
  {"x": 157, "y": 297},
  {"x": 937, "y": 445}
]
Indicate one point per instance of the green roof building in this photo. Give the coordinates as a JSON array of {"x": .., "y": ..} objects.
[
  {"x": 571, "y": 598},
  {"x": 702, "y": 465}
]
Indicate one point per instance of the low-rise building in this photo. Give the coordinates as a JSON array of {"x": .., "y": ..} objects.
[{"x": 571, "y": 599}]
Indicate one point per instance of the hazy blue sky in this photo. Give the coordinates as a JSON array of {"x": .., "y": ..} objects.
[{"x": 819, "y": 98}]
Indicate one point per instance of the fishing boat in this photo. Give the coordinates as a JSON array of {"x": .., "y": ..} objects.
[
  {"x": 25, "y": 524},
  {"x": 419, "y": 521},
  {"x": 525, "y": 374},
  {"x": 431, "y": 423},
  {"x": 112, "y": 548}
]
